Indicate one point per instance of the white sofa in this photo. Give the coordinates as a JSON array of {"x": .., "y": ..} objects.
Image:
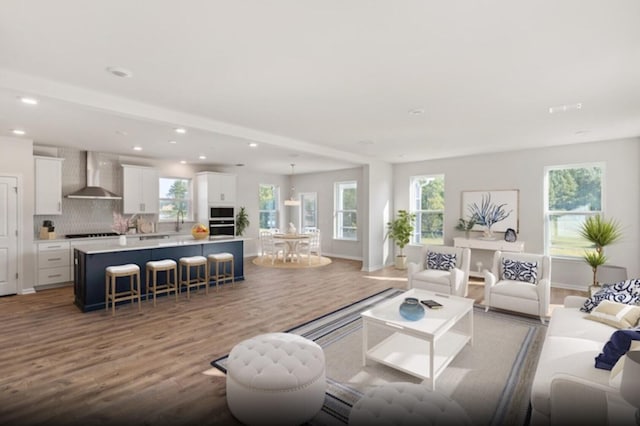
[{"x": 567, "y": 388}]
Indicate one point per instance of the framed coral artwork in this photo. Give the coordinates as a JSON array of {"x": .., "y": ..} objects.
[{"x": 492, "y": 211}]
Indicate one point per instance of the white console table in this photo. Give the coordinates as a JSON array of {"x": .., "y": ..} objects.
[{"x": 491, "y": 245}]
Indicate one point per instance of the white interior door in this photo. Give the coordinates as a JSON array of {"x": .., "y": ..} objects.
[{"x": 8, "y": 235}]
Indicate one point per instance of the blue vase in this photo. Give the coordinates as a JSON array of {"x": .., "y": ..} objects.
[{"x": 411, "y": 309}]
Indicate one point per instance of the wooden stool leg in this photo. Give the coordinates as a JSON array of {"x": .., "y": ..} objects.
[
  {"x": 175, "y": 281},
  {"x": 233, "y": 278},
  {"x": 188, "y": 281},
  {"x": 114, "y": 290},
  {"x": 106, "y": 291},
  {"x": 205, "y": 278},
  {"x": 138, "y": 286}
]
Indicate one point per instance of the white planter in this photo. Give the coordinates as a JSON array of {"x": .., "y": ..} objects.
[
  {"x": 401, "y": 262},
  {"x": 122, "y": 240}
]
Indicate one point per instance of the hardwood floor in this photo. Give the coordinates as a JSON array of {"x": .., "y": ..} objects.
[{"x": 61, "y": 366}]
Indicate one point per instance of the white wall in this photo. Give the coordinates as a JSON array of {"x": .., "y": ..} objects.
[
  {"x": 524, "y": 170},
  {"x": 17, "y": 160},
  {"x": 377, "y": 191}
]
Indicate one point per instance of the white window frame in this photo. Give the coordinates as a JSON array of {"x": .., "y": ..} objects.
[
  {"x": 415, "y": 195},
  {"x": 548, "y": 214},
  {"x": 189, "y": 214},
  {"x": 308, "y": 198},
  {"x": 339, "y": 211},
  {"x": 275, "y": 212}
]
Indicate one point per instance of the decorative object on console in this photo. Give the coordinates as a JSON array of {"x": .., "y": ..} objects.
[
  {"x": 411, "y": 309},
  {"x": 601, "y": 233},
  {"x": 492, "y": 211},
  {"x": 630, "y": 385},
  {"x": 510, "y": 235},
  {"x": 466, "y": 226},
  {"x": 400, "y": 230}
]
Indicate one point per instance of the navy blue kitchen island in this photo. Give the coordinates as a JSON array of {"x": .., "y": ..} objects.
[{"x": 90, "y": 263}]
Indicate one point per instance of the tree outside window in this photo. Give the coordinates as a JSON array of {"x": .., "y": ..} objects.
[
  {"x": 345, "y": 210},
  {"x": 427, "y": 202},
  {"x": 573, "y": 193},
  {"x": 268, "y": 201},
  {"x": 309, "y": 210},
  {"x": 175, "y": 197}
]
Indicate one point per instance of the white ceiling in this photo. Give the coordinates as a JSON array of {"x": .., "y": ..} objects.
[{"x": 325, "y": 84}]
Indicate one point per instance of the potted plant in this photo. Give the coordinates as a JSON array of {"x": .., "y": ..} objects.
[
  {"x": 466, "y": 226},
  {"x": 242, "y": 221},
  {"x": 601, "y": 233},
  {"x": 400, "y": 230}
]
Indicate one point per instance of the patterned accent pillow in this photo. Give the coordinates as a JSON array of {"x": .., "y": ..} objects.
[
  {"x": 618, "y": 315},
  {"x": 627, "y": 292},
  {"x": 442, "y": 261},
  {"x": 520, "y": 271}
]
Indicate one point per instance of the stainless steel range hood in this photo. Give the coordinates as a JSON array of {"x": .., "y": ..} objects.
[{"x": 93, "y": 190}]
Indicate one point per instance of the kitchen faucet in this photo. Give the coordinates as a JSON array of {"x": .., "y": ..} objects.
[{"x": 180, "y": 213}]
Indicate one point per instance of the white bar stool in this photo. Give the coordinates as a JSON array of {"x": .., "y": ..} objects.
[
  {"x": 200, "y": 278},
  {"x": 112, "y": 273},
  {"x": 167, "y": 266},
  {"x": 223, "y": 267}
]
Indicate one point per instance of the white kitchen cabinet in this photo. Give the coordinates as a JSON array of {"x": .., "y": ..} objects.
[
  {"x": 140, "y": 190},
  {"x": 48, "y": 185},
  {"x": 214, "y": 189},
  {"x": 53, "y": 262}
]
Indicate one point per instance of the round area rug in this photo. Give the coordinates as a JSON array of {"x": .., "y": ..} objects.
[{"x": 304, "y": 262}]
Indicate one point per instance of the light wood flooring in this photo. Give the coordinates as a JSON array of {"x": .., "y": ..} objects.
[{"x": 60, "y": 366}]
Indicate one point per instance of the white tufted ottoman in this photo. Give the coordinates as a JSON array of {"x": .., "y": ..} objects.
[
  {"x": 406, "y": 404},
  {"x": 276, "y": 379}
]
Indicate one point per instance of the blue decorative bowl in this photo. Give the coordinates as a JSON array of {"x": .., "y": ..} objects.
[{"x": 411, "y": 309}]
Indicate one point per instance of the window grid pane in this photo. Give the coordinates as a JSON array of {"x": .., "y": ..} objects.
[
  {"x": 345, "y": 214},
  {"x": 573, "y": 195},
  {"x": 427, "y": 202},
  {"x": 174, "y": 197},
  {"x": 268, "y": 206}
]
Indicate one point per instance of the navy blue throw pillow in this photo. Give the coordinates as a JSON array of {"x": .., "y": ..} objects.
[
  {"x": 627, "y": 292},
  {"x": 442, "y": 261},
  {"x": 617, "y": 346}
]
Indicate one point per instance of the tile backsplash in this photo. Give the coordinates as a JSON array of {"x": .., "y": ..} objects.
[{"x": 85, "y": 216}]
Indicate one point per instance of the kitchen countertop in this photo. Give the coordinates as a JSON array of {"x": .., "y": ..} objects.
[
  {"x": 158, "y": 235},
  {"x": 111, "y": 245}
]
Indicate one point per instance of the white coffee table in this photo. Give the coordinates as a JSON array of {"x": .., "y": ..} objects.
[{"x": 422, "y": 348}]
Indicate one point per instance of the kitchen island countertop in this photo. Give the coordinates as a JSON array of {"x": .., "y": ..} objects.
[{"x": 111, "y": 245}]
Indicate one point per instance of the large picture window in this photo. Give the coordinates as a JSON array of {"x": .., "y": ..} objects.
[
  {"x": 174, "y": 199},
  {"x": 345, "y": 210},
  {"x": 427, "y": 202},
  {"x": 572, "y": 193},
  {"x": 268, "y": 202}
]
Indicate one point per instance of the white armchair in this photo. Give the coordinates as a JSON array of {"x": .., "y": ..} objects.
[
  {"x": 519, "y": 282},
  {"x": 451, "y": 279}
]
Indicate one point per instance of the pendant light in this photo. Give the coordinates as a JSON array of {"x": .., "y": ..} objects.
[{"x": 291, "y": 201}]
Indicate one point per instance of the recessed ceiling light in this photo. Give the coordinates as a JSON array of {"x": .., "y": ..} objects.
[
  {"x": 28, "y": 101},
  {"x": 19, "y": 132},
  {"x": 180, "y": 130},
  {"x": 239, "y": 165},
  {"x": 565, "y": 108},
  {"x": 416, "y": 111},
  {"x": 183, "y": 161},
  {"x": 137, "y": 148},
  {"x": 173, "y": 142},
  {"x": 119, "y": 72},
  {"x": 121, "y": 133},
  {"x": 253, "y": 144},
  {"x": 203, "y": 157}
]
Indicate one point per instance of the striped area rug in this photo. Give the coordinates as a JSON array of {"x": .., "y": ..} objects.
[{"x": 491, "y": 380}]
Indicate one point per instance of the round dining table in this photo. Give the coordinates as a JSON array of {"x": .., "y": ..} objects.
[{"x": 292, "y": 241}]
